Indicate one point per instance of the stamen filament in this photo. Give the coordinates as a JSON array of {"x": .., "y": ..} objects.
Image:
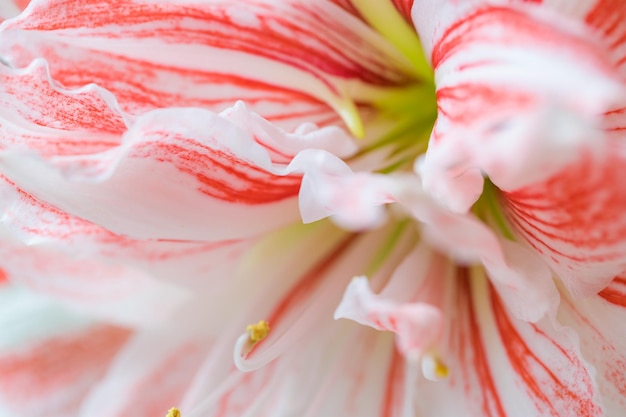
[{"x": 384, "y": 17}]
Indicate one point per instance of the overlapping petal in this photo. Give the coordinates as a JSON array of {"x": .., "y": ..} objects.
[
  {"x": 418, "y": 325},
  {"x": 517, "y": 102},
  {"x": 317, "y": 290},
  {"x": 132, "y": 104},
  {"x": 167, "y": 162},
  {"x": 520, "y": 275},
  {"x": 541, "y": 117},
  {"x": 291, "y": 61},
  {"x": 502, "y": 367},
  {"x": 576, "y": 220},
  {"x": 594, "y": 320}
]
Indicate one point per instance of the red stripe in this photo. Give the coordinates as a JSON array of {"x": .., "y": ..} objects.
[
  {"x": 305, "y": 285},
  {"x": 303, "y": 35},
  {"x": 550, "y": 392},
  {"x": 577, "y": 214},
  {"x": 615, "y": 293},
  {"x": 219, "y": 174},
  {"x": 492, "y": 403},
  {"x": 309, "y": 281},
  {"x": 55, "y": 368},
  {"x": 404, "y": 7},
  {"x": 394, "y": 385},
  {"x": 608, "y": 17},
  {"x": 138, "y": 86}
]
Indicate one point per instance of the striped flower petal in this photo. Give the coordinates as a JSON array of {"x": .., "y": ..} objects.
[
  {"x": 501, "y": 367},
  {"x": 595, "y": 320},
  {"x": 166, "y": 162},
  {"x": 290, "y": 61},
  {"x": 520, "y": 92}
]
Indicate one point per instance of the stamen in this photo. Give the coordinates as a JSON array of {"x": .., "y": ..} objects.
[
  {"x": 258, "y": 332},
  {"x": 350, "y": 115},
  {"x": 174, "y": 412},
  {"x": 385, "y": 18},
  {"x": 441, "y": 370},
  {"x": 433, "y": 368}
]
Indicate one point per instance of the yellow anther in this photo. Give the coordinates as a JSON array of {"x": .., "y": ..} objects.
[
  {"x": 174, "y": 412},
  {"x": 441, "y": 370},
  {"x": 258, "y": 332}
]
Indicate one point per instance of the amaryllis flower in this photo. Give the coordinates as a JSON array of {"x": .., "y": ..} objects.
[{"x": 191, "y": 191}]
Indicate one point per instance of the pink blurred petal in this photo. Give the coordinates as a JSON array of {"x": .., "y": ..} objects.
[{"x": 51, "y": 379}]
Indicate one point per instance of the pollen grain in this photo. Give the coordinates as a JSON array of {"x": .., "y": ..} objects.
[
  {"x": 441, "y": 370},
  {"x": 258, "y": 332},
  {"x": 174, "y": 412}
]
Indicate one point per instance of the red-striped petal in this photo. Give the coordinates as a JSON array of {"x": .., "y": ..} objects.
[
  {"x": 499, "y": 365},
  {"x": 179, "y": 161},
  {"x": 314, "y": 291},
  {"x": 520, "y": 92},
  {"x": 38, "y": 114},
  {"x": 598, "y": 321},
  {"x": 53, "y": 376},
  {"x": 577, "y": 221},
  {"x": 289, "y": 61}
]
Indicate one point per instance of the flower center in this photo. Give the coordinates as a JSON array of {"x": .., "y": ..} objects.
[
  {"x": 395, "y": 121},
  {"x": 384, "y": 17}
]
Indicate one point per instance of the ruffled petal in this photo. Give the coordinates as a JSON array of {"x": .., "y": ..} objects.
[
  {"x": 168, "y": 162},
  {"x": 520, "y": 276},
  {"x": 354, "y": 201},
  {"x": 520, "y": 92},
  {"x": 271, "y": 55},
  {"x": 40, "y": 115}
]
